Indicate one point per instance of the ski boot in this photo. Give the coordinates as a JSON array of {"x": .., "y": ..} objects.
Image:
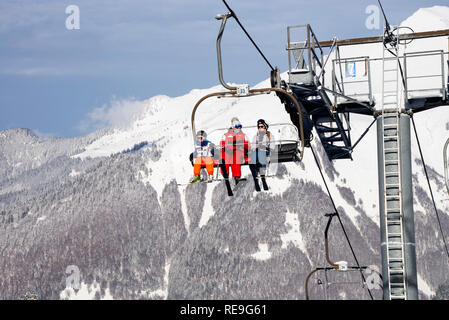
[{"x": 196, "y": 179}]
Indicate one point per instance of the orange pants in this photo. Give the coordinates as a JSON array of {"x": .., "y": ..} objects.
[{"x": 203, "y": 161}]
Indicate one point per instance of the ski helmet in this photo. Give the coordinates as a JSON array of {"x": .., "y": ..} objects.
[
  {"x": 262, "y": 121},
  {"x": 202, "y": 134},
  {"x": 235, "y": 122}
]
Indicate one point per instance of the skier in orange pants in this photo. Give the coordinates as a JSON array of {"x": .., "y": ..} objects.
[
  {"x": 204, "y": 151},
  {"x": 203, "y": 161}
]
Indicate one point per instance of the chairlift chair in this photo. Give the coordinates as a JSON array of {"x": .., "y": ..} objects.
[{"x": 286, "y": 142}]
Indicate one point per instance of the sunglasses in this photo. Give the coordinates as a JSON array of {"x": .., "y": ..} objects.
[
  {"x": 238, "y": 126},
  {"x": 262, "y": 127}
]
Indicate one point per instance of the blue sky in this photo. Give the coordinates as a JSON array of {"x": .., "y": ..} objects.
[{"x": 53, "y": 79}]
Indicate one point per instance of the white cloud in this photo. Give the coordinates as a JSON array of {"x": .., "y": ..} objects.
[{"x": 117, "y": 114}]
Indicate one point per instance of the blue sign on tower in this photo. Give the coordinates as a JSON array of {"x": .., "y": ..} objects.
[{"x": 350, "y": 69}]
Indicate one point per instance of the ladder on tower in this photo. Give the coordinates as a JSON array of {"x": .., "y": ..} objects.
[{"x": 391, "y": 110}]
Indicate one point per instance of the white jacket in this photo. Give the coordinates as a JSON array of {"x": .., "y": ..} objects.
[
  {"x": 262, "y": 142},
  {"x": 204, "y": 149}
]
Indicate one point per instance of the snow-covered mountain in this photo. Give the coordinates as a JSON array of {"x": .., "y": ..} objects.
[{"x": 109, "y": 204}]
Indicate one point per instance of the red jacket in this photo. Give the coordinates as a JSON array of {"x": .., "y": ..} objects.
[{"x": 234, "y": 147}]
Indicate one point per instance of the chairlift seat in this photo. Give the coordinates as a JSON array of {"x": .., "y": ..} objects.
[
  {"x": 285, "y": 152},
  {"x": 286, "y": 149}
]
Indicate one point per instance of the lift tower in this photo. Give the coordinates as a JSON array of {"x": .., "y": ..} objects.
[
  {"x": 395, "y": 180},
  {"x": 327, "y": 109}
]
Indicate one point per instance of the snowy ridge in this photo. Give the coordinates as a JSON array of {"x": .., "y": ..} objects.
[{"x": 429, "y": 19}]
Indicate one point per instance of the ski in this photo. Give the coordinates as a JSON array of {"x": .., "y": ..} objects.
[
  {"x": 205, "y": 181},
  {"x": 228, "y": 187},
  {"x": 226, "y": 178},
  {"x": 189, "y": 183},
  {"x": 256, "y": 184},
  {"x": 264, "y": 183}
]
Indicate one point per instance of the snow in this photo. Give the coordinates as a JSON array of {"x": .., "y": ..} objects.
[
  {"x": 208, "y": 210},
  {"x": 293, "y": 236},
  {"x": 184, "y": 211},
  {"x": 74, "y": 173},
  {"x": 424, "y": 287},
  {"x": 263, "y": 253},
  {"x": 85, "y": 292},
  {"x": 429, "y": 19},
  {"x": 163, "y": 291},
  {"x": 278, "y": 186}
]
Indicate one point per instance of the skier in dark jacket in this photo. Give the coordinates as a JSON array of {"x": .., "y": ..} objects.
[{"x": 261, "y": 149}]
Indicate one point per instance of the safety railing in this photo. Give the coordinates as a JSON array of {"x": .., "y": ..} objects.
[
  {"x": 307, "y": 69},
  {"x": 417, "y": 66},
  {"x": 355, "y": 80},
  {"x": 429, "y": 69}
]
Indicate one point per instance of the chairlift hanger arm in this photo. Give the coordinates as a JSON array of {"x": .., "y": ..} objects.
[
  {"x": 339, "y": 218},
  {"x": 223, "y": 19},
  {"x": 326, "y": 240},
  {"x": 213, "y": 94},
  {"x": 334, "y": 266}
]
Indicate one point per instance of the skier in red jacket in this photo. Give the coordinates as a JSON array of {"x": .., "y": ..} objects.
[{"x": 234, "y": 150}]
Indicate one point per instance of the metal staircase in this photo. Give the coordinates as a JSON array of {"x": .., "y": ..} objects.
[
  {"x": 391, "y": 110},
  {"x": 306, "y": 82}
]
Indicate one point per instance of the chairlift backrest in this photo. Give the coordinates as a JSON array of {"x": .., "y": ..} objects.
[
  {"x": 284, "y": 139},
  {"x": 282, "y": 133}
]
